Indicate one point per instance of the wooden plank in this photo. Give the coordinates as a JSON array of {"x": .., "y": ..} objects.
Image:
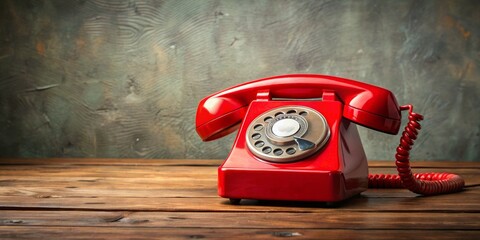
[
  {"x": 141, "y": 180},
  {"x": 139, "y": 177},
  {"x": 40, "y": 232},
  {"x": 327, "y": 219},
  {"x": 171, "y": 171},
  {"x": 181, "y": 173},
  {"x": 443, "y": 203},
  {"x": 145, "y": 188},
  {"x": 146, "y": 192},
  {"x": 95, "y": 189}
]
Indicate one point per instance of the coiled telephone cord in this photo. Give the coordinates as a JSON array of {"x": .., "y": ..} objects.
[{"x": 421, "y": 183}]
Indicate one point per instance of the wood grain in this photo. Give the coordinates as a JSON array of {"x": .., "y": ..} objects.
[
  {"x": 75, "y": 198},
  {"x": 122, "y": 79},
  {"x": 168, "y": 185},
  {"x": 328, "y": 219},
  {"x": 20, "y": 232}
]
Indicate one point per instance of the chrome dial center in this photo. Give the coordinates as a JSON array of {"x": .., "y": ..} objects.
[{"x": 285, "y": 127}]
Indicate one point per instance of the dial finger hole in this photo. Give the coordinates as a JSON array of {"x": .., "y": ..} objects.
[
  {"x": 290, "y": 151},
  {"x": 258, "y": 127},
  {"x": 278, "y": 114},
  {"x": 291, "y": 111},
  {"x": 268, "y": 119},
  {"x": 267, "y": 150},
  {"x": 278, "y": 151},
  {"x": 259, "y": 144},
  {"x": 256, "y": 136},
  {"x": 303, "y": 113}
]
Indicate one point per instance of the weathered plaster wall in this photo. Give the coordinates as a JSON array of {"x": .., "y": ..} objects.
[{"x": 122, "y": 78}]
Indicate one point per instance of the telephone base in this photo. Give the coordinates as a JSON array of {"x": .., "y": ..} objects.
[{"x": 289, "y": 185}]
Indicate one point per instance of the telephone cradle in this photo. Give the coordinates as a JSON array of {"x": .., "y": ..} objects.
[{"x": 298, "y": 140}]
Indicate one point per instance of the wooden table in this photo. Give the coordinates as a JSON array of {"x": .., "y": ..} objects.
[{"x": 146, "y": 199}]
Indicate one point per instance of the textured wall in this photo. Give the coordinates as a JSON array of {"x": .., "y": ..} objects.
[{"x": 122, "y": 78}]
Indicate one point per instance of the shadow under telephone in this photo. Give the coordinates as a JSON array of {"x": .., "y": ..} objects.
[{"x": 298, "y": 139}]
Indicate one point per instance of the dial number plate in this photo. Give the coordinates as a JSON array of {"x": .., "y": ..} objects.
[{"x": 280, "y": 135}]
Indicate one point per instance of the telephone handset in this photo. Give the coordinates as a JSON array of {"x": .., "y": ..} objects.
[{"x": 297, "y": 141}]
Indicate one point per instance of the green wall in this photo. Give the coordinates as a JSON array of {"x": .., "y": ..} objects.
[{"x": 123, "y": 78}]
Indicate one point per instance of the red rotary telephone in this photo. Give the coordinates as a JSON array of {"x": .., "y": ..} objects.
[{"x": 298, "y": 141}]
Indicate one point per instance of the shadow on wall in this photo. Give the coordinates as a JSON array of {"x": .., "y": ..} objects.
[{"x": 123, "y": 79}]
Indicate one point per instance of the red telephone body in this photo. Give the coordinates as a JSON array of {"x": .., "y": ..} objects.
[{"x": 297, "y": 139}]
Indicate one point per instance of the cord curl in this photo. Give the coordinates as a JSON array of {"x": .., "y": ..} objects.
[{"x": 421, "y": 183}]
